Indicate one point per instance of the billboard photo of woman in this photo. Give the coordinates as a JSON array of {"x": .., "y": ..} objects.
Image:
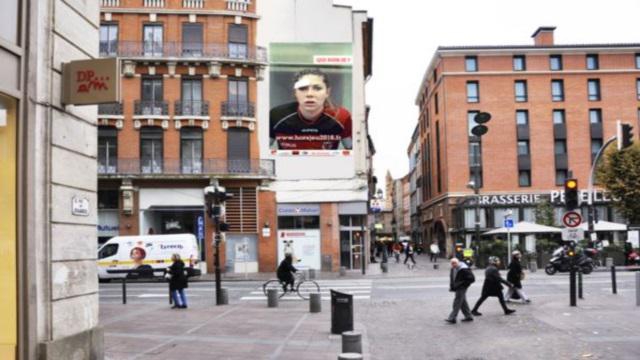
[{"x": 312, "y": 121}]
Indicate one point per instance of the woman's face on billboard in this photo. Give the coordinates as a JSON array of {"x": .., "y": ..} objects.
[{"x": 311, "y": 93}]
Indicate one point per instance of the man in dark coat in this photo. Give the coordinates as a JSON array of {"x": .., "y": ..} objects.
[
  {"x": 493, "y": 287},
  {"x": 178, "y": 282},
  {"x": 460, "y": 278},
  {"x": 285, "y": 272},
  {"x": 514, "y": 276}
]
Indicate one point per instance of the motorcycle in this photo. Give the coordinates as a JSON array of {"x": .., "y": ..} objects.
[{"x": 560, "y": 262}]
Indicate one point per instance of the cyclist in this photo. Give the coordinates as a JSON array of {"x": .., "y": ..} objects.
[{"x": 285, "y": 272}]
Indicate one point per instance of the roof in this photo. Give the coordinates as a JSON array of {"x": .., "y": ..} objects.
[{"x": 534, "y": 47}]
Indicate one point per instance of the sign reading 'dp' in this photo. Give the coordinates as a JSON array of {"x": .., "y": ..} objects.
[{"x": 90, "y": 82}]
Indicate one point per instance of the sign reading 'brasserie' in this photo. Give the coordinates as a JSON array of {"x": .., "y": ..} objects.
[
  {"x": 554, "y": 197},
  {"x": 90, "y": 82}
]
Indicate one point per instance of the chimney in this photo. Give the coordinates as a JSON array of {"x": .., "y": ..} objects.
[{"x": 543, "y": 36}]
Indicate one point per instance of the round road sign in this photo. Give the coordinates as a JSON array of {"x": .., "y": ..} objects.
[{"x": 571, "y": 219}]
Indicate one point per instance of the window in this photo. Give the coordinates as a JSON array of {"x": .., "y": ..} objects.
[
  {"x": 238, "y": 41},
  {"x": 638, "y": 89},
  {"x": 152, "y": 40},
  {"x": 471, "y": 63},
  {"x": 434, "y": 75},
  {"x": 595, "y": 116},
  {"x": 151, "y": 150},
  {"x": 191, "y": 97},
  {"x": 596, "y": 144},
  {"x": 108, "y": 199},
  {"x": 108, "y": 250},
  {"x": 475, "y": 154},
  {"x": 592, "y": 62},
  {"x": 555, "y": 62},
  {"x": 108, "y": 40},
  {"x": 561, "y": 176},
  {"x": 152, "y": 97},
  {"x": 238, "y": 150},
  {"x": 523, "y": 147},
  {"x": 191, "y": 39},
  {"x": 557, "y": 90},
  {"x": 560, "y": 147},
  {"x": 476, "y": 176},
  {"x": 521, "y": 90},
  {"x": 473, "y": 92},
  {"x": 191, "y": 150},
  {"x": 522, "y": 117},
  {"x": 238, "y": 95},
  {"x": 524, "y": 178},
  {"x": 471, "y": 120},
  {"x": 593, "y": 87},
  {"x": 298, "y": 222},
  {"x": 435, "y": 102},
  {"x": 519, "y": 63},
  {"x": 107, "y": 150},
  {"x": 638, "y": 61},
  {"x": 558, "y": 116}
]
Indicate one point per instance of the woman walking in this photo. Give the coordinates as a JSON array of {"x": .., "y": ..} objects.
[
  {"x": 177, "y": 282},
  {"x": 515, "y": 276}
]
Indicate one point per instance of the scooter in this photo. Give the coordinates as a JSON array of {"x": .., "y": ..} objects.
[{"x": 560, "y": 262}]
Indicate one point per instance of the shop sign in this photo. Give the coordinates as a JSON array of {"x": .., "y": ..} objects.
[
  {"x": 555, "y": 196},
  {"x": 90, "y": 82},
  {"x": 298, "y": 210}
]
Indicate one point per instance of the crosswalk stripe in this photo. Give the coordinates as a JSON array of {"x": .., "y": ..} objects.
[{"x": 297, "y": 298}]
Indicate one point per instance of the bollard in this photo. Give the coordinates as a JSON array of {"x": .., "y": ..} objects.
[
  {"x": 225, "y": 296},
  {"x": 579, "y": 284},
  {"x": 533, "y": 266},
  {"x": 436, "y": 266},
  {"x": 638, "y": 289},
  {"x": 315, "y": 304},
  {"x": 385, "y": 267},
  {"x": 352, "y": 342},
  {"x": 312, "y": 274},
  {"x": 614, "y": 285},
  {"x": 350, "y": 356},
  {"x": 124, "y": 290},
  {"x": 343, "y": 270},
  {"x": 272, "y": 298}
]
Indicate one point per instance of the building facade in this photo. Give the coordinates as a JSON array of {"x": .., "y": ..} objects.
[
  {"x": 187, "y": 119},
  {"x": 415, "y": 190},
  {"x": 49, "y": 291},
  {"x": 552, "y": 106},
  {"x": 322, "y": 191}
]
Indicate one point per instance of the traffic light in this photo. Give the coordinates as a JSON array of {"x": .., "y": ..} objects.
[
  {"x": 627, "y": 136},
  {"x": 480, "y": 119},
  {"x": 571, "y": 196}
]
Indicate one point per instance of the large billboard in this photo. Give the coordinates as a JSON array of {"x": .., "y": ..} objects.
[{"x": 310, "y": 99}]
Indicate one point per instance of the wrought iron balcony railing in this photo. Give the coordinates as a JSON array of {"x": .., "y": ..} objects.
[
  {"x": 241, "y": 167},
  {"x": 110, "y": 109},
  {"x": 191, "y": 108},
  {"x": 150, "y": 107},
  {"x": 156, "y": 50},
  {"x": 238, "y": 109}
]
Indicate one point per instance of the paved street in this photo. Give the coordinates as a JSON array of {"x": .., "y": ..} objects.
[{"x": 399, "y": 313}]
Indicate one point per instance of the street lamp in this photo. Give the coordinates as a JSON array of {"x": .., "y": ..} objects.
[{"x": 478, "y": 130}]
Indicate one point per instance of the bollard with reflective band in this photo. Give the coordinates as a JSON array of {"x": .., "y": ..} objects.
[
  {"x": 225, "y": 296},
  {"x": 350, "y": 356},
  {"x": 352, "y": 342}
]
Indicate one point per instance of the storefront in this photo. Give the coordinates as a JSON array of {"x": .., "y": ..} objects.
[
  {"x": 8, "y": 231},
  {"x": 299, "y": 234}
]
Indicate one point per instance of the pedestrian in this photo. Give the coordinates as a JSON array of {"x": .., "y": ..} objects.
[
  {"x": 493, "y": 287},
  {"x": 177, "y": 282},
  {"x": 408, "y": 252},
  {"x": 515, "y": 276},
  {"x": 460, "y": 278},
  {"x": 285, "y": 272},
  {"x": 397, "y": 249},
  {"x": 435, "y": 251}
]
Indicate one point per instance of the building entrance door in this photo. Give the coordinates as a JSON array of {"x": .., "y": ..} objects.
[{"x": 8, "y": 232}]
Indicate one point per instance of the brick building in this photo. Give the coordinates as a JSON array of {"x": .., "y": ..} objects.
[
  {"x": 187, "y": 118},
  {"x": 552, "y": 108}
]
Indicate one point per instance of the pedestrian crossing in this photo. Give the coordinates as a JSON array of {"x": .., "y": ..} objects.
[{"x": 360, "y": 289}]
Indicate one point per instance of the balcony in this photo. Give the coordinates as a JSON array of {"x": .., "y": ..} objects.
[
  {"x": 192, "y": 109},
  {"x": 109, "y": 3},
  {"x": 151, "y": 108},
  {"x": 193, "y": 4},
  {"x": 238, "y": 5},
  {"x": 174, "y": 168},
  {"x": 235, "y": 110},
  {"x": 236, "y": 53},
  {"x": 114, "y": 109},
  {"x": 153, "y": 3}
]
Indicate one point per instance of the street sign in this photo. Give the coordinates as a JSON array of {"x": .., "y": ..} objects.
[
  {"x": 508, "y": 223},
  {"x": 572, "y": 234},
  {"x": 571, "y": 219},
  {"x": 376, "y": 205}
]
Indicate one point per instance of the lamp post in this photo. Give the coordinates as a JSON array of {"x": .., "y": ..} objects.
[{"x": 478, "y": 130}]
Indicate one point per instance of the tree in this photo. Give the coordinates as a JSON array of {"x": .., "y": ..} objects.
[
  {"x": 619, "y": 172},
  {"x": 544, "y": 213}
]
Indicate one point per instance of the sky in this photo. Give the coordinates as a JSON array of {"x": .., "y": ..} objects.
[{"x": 408, "y": 32}]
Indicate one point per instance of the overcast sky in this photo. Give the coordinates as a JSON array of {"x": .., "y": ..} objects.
[{"x": 407, "y": 33}]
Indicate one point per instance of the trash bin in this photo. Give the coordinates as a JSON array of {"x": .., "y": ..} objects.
[{"x": 341, "y": 312}]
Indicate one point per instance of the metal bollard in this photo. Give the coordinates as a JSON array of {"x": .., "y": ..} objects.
[
  {"x": 272, "y": 298},
  {"x": 312, "y": 274},
  {"x": 533, "y": 266},
  {"x": 343, "y": 271},
  {"x": 638, "y": 289},
  {"x": 384, "y": 266},
  {"x": 225, "y": 296},
  {"x": 579, "y": 284},
  {"x": 124, "y": 290},
  {"x": 350, "y": 356},
  {"x": 614, "y": 285},
  {"x": 436, "y": 266},
  {"x": 352, "y": 342},
  {"x": 315, "y": 304}
]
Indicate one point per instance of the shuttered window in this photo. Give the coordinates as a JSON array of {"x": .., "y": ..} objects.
[{"x": 242, "y": 210}]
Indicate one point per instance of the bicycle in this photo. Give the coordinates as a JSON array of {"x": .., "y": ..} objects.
[{"x": 302, "y": 287}]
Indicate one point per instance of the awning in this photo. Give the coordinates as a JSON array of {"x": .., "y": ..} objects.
[
  {"x": 524, "y": 227},
  {"x": 604, "y": 226}
]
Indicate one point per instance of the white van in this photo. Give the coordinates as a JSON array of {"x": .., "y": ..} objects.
[{"x": 146, "y": 252}]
